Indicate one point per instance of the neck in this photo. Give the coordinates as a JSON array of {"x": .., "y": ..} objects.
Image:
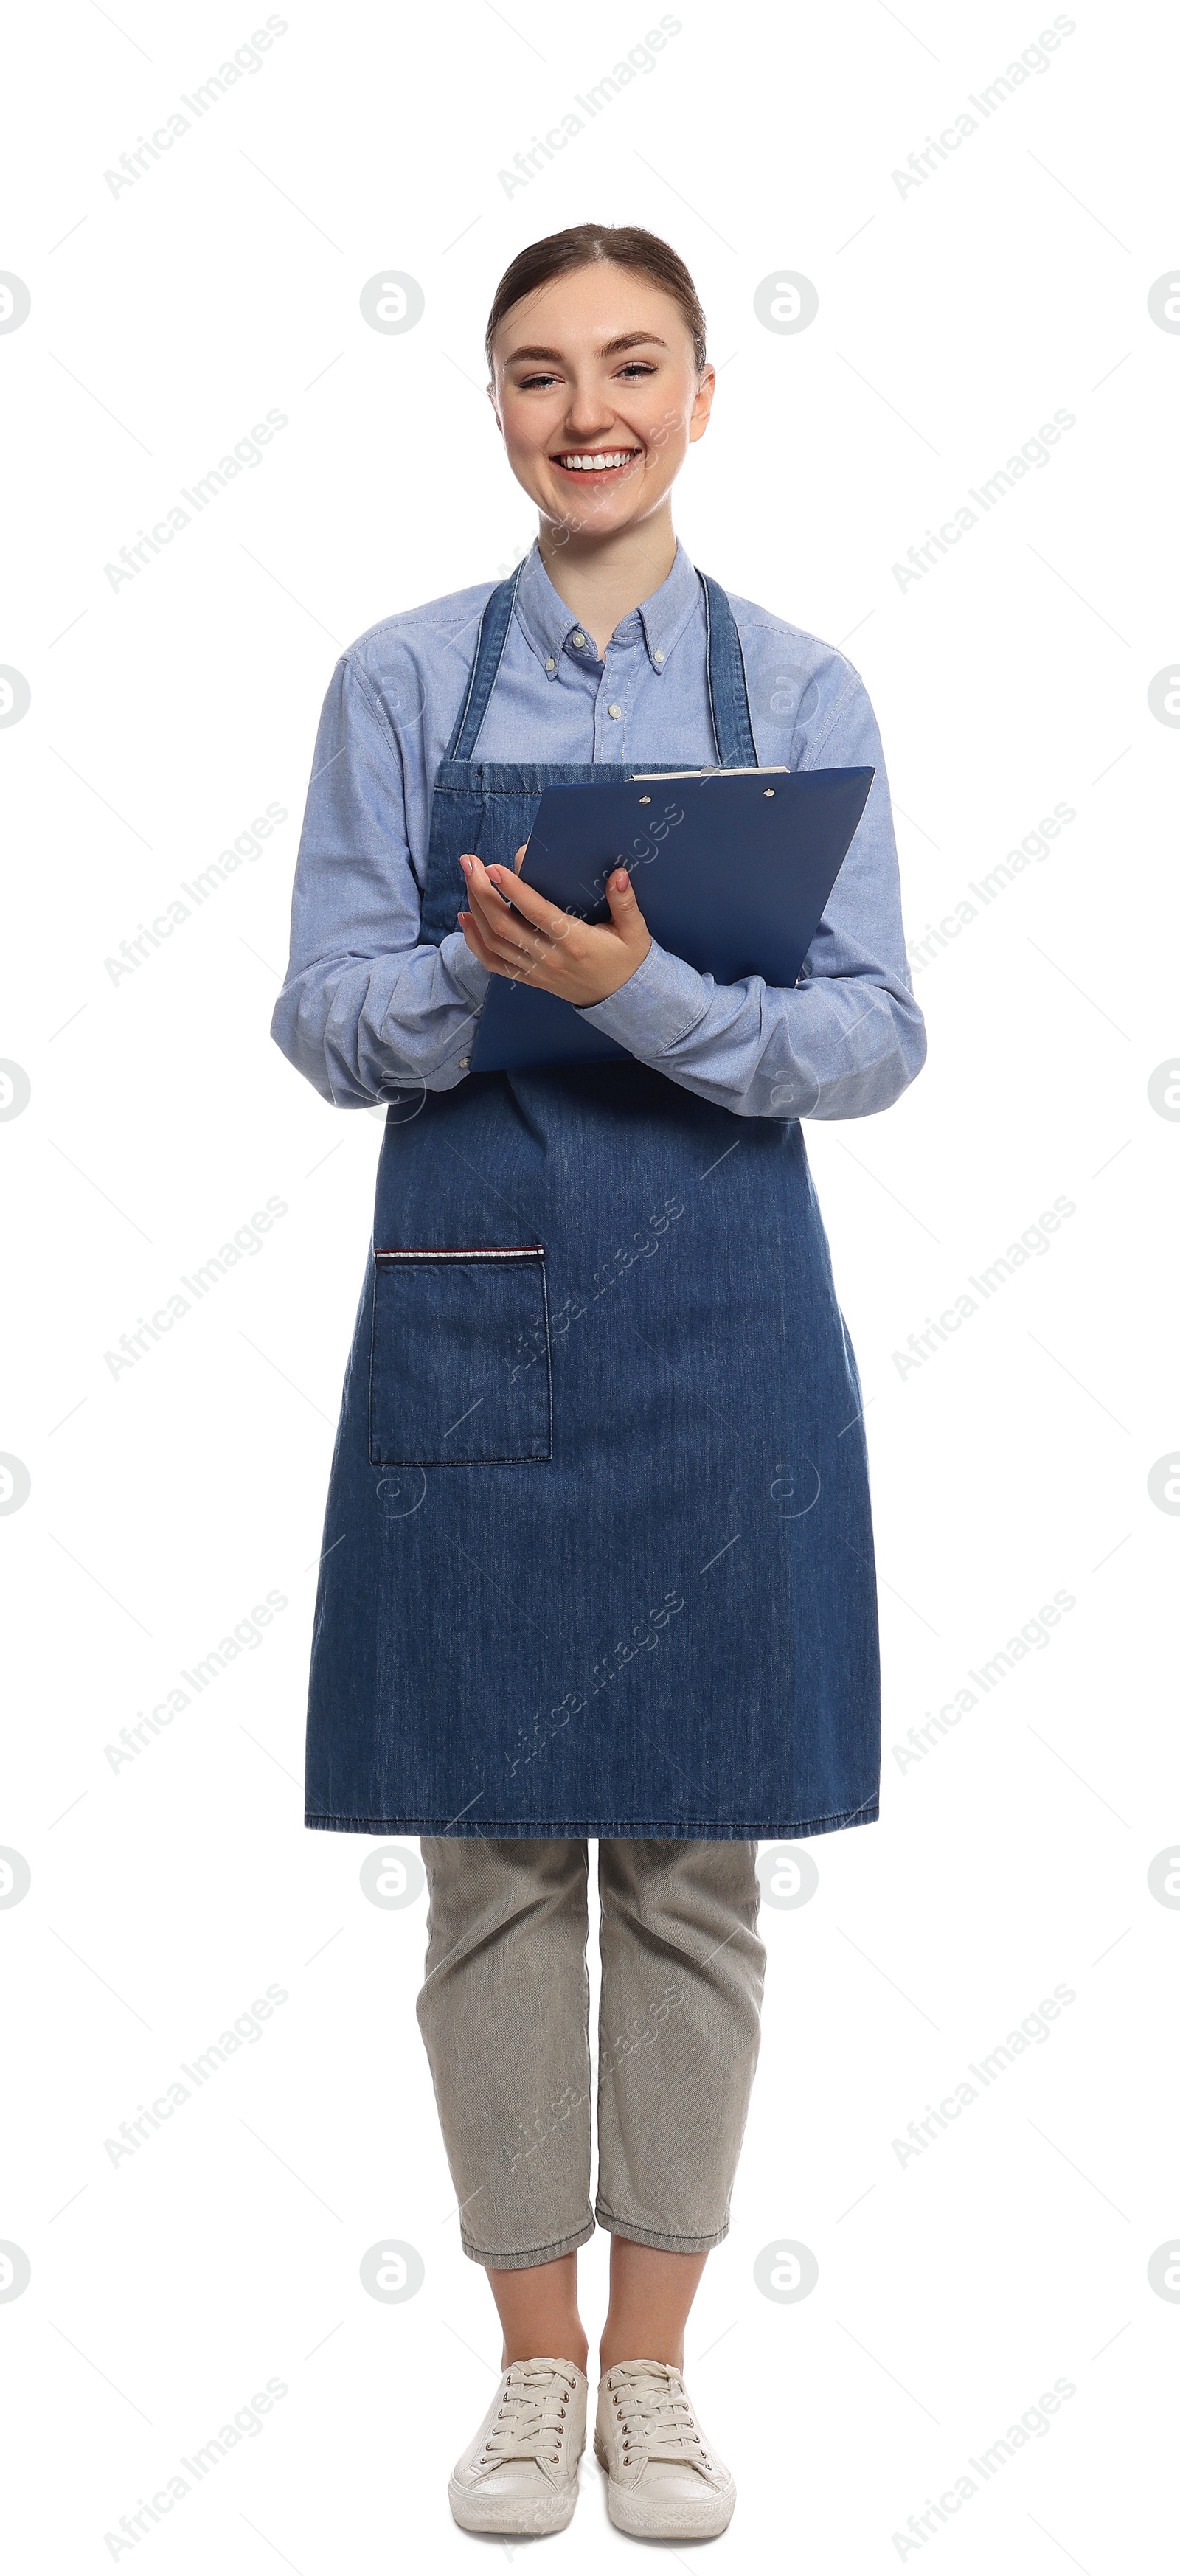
[{"x": 601, "y": 579}]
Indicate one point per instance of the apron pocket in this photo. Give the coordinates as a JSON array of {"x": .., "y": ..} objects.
[{"x": 460, "y": 1371}]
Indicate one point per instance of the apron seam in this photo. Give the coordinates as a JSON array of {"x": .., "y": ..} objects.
[{"x": 608, "y": 1829}]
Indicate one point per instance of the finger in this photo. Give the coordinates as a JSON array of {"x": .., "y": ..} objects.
[
  {"x": 508, "y": 935},
  {"x": 498, "y": 961},
  {"x": 544, "y": 916},
  {"x": 473, "y": 929},
  {"x": 495, "y": 949},
  {"x": 475, "y": 872},
  {"x": 494, "y": 906},
  {"x": 487, "y": 903},
  {"x": 518, "y": 861},
  {"x": 624, "y": 907},
  {"x": 515, "y": 940}
]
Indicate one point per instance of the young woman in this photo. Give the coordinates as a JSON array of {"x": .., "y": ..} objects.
[{"x": 598, "y": 1556}]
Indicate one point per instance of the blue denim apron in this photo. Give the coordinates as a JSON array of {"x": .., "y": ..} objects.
[{"x": 598, "y": 1556}]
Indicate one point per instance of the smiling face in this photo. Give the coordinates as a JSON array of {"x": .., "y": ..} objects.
[{"x": 596, "y": 389}]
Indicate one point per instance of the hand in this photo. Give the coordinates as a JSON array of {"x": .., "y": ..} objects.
[{"x": 532, "y": 942}]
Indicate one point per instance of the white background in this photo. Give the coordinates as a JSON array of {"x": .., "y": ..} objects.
[{"x": 165, "y": 714}]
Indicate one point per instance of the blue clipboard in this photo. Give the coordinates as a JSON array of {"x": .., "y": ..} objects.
[{"x": 732, "y": 870}]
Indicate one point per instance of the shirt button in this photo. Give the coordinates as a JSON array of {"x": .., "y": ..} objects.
[
  {"x": 579, "y": 638},
  {"x": 657, "y": 657},
  {"x": 614, "y": 711},
  {"x": 464, "y": 1059},
  {"x": 551, "y": 664}
]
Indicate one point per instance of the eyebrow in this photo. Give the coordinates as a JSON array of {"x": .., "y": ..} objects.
[{"x": 610, "y": 348}]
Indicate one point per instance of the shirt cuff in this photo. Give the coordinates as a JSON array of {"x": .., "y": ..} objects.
[
  {"x": 655, "y": 1008},
  {"x": 464, "y": 970}
]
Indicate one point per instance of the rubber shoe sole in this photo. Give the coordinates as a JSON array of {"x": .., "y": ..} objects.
[{"x": 522, "y": 2516}]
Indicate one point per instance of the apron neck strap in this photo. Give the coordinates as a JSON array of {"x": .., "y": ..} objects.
[
  {"x": 490, "y": 642},
  {"x": 729, "y": 702},
  {"x": 729, "y": 699}
]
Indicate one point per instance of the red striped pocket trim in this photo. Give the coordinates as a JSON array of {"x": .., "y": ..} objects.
[{"x": 468, "y": 1252}]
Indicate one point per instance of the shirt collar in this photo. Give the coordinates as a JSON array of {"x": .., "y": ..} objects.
[{"x": 549, "y": 626}]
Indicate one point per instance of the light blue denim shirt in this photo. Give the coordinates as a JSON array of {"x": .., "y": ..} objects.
[{"x": 366, "y": 1008}]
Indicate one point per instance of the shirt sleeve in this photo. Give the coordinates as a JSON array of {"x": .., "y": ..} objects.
[
  {"x": 849, "y": 1037},
  {"x": 366, "y": 1007}
]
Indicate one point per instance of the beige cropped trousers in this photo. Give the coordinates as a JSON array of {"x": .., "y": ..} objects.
[{"x": 504, "y": 2012}]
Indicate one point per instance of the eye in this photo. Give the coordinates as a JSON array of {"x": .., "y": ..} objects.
[
  {"x": 637, "y": 367},
  {"x": 529, "y": 383}
]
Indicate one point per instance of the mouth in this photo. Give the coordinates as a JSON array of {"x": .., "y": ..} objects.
[{"x": 596, "y": 464}]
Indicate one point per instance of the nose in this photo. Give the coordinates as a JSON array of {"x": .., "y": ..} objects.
[
  {"x": 583, "y": 436},
  {"x": 584, "y": 422}
]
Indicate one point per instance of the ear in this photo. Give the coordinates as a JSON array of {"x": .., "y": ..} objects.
[{"x": 698, "y": 421}]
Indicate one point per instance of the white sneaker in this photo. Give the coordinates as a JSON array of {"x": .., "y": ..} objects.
[
  {"x": 665, "y": 2481},
  {"x": 520, "y": 2474}
]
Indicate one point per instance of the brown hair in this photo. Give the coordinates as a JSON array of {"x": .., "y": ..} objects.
[{"x": 580, "y": 247}]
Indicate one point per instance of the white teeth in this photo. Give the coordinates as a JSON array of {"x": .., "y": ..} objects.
[{"x": 597, "y": 464}]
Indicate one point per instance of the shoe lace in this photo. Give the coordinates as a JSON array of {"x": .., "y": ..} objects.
[
  {"x": 531, "y": 2417},
  {"x": 654, "y": 2413}
]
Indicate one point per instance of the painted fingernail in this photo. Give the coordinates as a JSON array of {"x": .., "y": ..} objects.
[{"x": 465, "y": 864}]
